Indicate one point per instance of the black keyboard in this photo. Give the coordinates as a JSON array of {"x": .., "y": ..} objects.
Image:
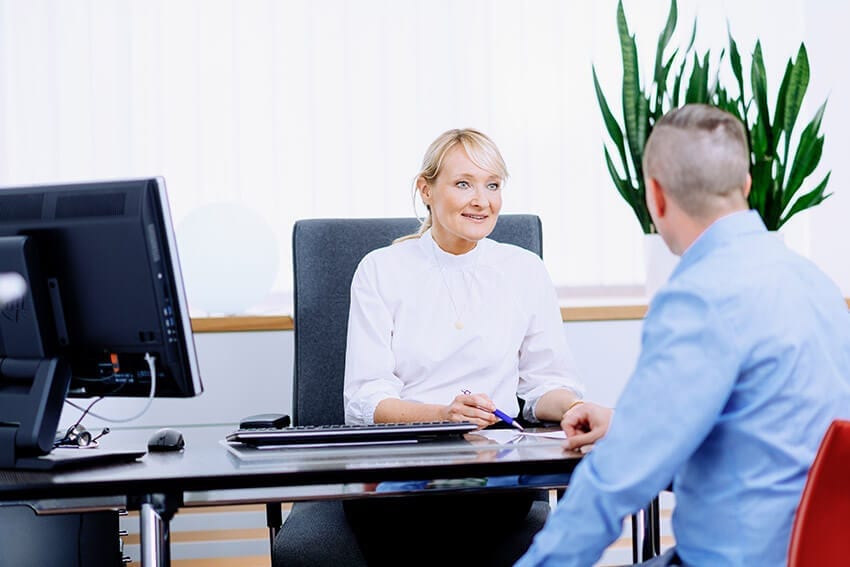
[{"x": 352, "y": 434}]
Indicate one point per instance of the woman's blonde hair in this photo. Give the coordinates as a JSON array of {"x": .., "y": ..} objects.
[{"x": 482, "y": 151}]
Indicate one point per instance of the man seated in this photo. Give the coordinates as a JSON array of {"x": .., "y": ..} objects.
[{"x": 745, "y": 361}]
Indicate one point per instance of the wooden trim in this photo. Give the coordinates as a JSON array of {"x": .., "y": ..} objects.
[
  {"x": 603, "y": 313},
  {"x": 246, "y": 323},
  {"x": 285, "y": 322}
]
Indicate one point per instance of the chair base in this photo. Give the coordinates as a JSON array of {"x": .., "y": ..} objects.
[{"x": 321, "y": 533}]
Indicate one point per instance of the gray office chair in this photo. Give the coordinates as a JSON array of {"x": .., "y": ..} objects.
[{"x": 326, "y": 253}]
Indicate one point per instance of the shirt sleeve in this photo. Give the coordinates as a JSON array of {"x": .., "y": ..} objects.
[
  {"x": 545, "y": 360},
  {"x": 369, "y": 361},
  {"x": 684, "y": 376}
]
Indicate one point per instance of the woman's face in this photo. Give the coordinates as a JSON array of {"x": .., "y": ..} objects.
[{"x": 465, "y": 201}]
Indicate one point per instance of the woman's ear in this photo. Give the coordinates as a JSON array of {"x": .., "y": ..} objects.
[{"x": 424, "y": 191}]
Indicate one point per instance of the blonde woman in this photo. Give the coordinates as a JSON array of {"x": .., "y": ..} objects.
[
  {"x": 447, "y": 309},
  {"x": 447, "y": 324}
]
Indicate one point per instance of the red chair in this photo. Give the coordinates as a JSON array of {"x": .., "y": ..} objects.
[{"x": 819, "y": 535}]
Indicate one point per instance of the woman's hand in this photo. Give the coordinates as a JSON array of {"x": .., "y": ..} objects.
[
  {"x": 475, "y": 408},
  {"x": 585, "y": 423}
]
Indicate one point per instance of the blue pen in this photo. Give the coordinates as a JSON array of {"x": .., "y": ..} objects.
[
  {"x": 507, "y": 419},
  {"x": 501, "y": 415}
]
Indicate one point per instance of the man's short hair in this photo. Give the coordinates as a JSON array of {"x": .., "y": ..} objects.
[{"x": 699, "y": 154}]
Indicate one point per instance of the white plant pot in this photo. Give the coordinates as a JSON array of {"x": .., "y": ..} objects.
[{"x": 659, "y": 262}]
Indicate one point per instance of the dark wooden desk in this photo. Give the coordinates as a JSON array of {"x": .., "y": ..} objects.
[{"x": 206, "y": 472}]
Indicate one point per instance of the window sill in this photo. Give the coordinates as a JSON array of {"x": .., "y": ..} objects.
[
  {"x": 286, "y": 323},
  {"x": 623, "y": 310}
]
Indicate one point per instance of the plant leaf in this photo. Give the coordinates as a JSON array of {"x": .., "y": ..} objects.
[
  {"x": 810, "y": 199},
  {"x": 698, "y": 84},
  {"x": 779, "y": 121},
  {"x": 735, "y": 61},
  {"x": 806, "y": 157},
  {"x": 759, "y": 140},
  {"x": 761, "y": 187},
  {"x": 715, "y": 86},
  {"x": 805, "y": 163},
  {"x": 632, "y": 196},
  {"x": 662, "y": 88},
  {"x": 797, "y": 85},
  {"x": 622, "y": 184},
  {"x": 641, "y": 135},
  {"x": 758, "y": 78},
  {"x": 611, "y": 124},
  {"x": 781, "y": 99},
  {"x": 677, "y": 83},
  {"x": 632, "y": 95},
  {"x": 664, "y": 39}
]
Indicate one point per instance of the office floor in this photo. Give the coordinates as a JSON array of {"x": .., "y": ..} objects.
[{"x": 236, "y": 536}]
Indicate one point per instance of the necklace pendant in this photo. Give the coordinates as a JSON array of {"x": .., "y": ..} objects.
[{"x": 458, "y": 325}]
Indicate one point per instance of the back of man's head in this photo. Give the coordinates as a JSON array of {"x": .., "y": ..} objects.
[{"x": 699, "y": 154}]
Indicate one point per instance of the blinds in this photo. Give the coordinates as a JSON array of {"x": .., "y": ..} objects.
[{"x": 323, "y": 108}]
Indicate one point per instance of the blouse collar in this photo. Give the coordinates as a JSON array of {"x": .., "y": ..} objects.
[{"x": 446, "y": 260}]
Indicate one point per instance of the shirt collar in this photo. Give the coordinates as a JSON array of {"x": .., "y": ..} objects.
[
  {"x": 445, "y": 260},
  {"x": 719, "y": 233}
]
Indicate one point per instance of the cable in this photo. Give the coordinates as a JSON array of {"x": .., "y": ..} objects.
[
  {"x": 151, "y": 360},
  {"x": 76, "y": 435},
  {"x": 87, "y": 410}
]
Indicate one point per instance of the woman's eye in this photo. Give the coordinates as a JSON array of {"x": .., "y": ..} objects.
[
  {"x": 493, "y": 186},
  {"x": 463, "y": 184}
]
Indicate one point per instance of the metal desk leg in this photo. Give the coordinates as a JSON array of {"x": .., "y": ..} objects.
[
  {"x": 656, "y": 524},
  {"x": 646, "y": 532},
  {"x": 156, "y": 513},
  {"x": 274, "y": 520},
  {"x": 652, "y": 530},
  {"x": 635, "y": 541}
]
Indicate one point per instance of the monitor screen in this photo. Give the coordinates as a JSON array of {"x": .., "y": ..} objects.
[{"x": 104, "y": 297}]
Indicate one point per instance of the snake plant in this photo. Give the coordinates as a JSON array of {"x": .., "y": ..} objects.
[{"x": 780, "y": 161}]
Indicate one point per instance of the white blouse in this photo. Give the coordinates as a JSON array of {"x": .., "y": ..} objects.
[{"x": 403, "y": 340}]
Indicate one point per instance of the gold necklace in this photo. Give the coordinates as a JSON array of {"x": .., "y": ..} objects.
[{"x": 458, "y": 319}]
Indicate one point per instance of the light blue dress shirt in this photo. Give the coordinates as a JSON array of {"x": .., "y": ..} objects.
[{"x": 745, "y": 361}]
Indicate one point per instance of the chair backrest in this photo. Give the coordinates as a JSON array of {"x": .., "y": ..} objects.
[
  {"x": 325, "y": 254},
  {"x": 819, "y": 536}
]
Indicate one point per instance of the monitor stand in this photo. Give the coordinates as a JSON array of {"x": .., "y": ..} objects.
[
  {"x": 32, "y": 392},
  {"x": 34, "y": 382},
  {"x": 67, "y": 458}
]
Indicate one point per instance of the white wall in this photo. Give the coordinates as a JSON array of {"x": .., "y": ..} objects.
[
  {"x": 830, "y": 231},
  {"x": 243, "y": 374},
  {"x": 249, "y": 373}
]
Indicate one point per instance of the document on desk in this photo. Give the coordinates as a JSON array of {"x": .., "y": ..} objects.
[
  {"x": 555, "y": 434},
  {"x": 506, "y": 436}
]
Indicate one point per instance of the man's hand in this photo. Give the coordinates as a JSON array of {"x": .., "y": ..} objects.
[{"x": 585, "y": 423}]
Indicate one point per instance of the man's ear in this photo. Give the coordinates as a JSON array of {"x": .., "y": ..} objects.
[
  {"x": 656, "y": 199},
  {"x": 748, "y": 184}
]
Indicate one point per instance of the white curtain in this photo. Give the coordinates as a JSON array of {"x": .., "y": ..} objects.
[{"x": 323, "y": 108}]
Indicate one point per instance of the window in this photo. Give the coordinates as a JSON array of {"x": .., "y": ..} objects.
[{"x": 296, "y": 109}]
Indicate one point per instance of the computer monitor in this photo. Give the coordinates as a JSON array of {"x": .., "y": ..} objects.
[{"x": 104, "y": 304}]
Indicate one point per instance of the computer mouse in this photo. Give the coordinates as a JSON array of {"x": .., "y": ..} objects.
[{"x": 166, "y": 439}]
